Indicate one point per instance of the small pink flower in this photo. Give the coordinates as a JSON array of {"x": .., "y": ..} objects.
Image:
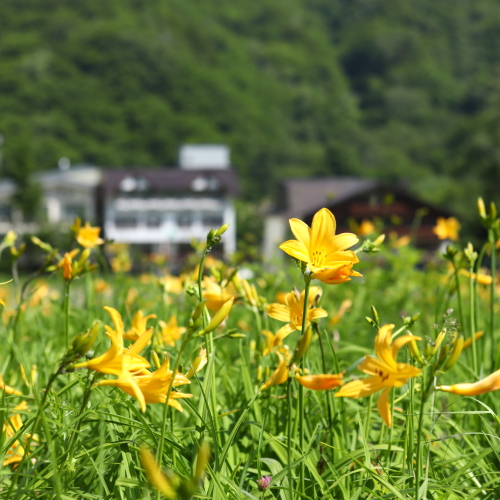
[{"x": 264, "y": 482}]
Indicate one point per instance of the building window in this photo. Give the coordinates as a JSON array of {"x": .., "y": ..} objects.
[
  {"x": 72, "y": 211},
  {"x": 185, "y": 219},
  {"x": 5, "y": 213},
  {"x": 126, "y": 221},
  {"x": 214, "y": 221},
  {"x": 153, "y": 220}
]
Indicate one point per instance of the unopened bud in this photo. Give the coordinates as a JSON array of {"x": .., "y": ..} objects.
[
  {"x": 477, "y": 336},
  {"x": 375, "y": 315},
  {"x": 219, "y": 317},
  {"x": 493, "y": 210},
  {"x": 34, "y": 374},
  {"x": 443, "y": 354},
  {"x": 414, "y": 350},
  {"x": 84, "y": 256},
  {"x": 222, "y": 230},
  {"x": 481, "y": 208},
  {"x": 211, "y": 235},
  {"x": 438, "y": 342},
  {"x": 302, "y": 345},
  {"x": 39, "y": 243},
  {"x": 379, "y": 240},
  {"x": 199, "y": 310},
  {"x": 455, "y": 353},
  {"x": 201, "y": 462},
  {"x": 199, "y": 362},
  {"x": 156, "y": 360},
  {"x": 259, "y": 373},
  {"x": 237, "y": 336},
  {"x": 83, "y": 342}
]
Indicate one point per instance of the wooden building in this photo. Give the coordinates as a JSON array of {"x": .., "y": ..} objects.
[{"x": 352, "y": 200}]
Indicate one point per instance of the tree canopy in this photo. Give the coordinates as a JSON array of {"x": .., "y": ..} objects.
[{"x": 392, "y": 88}]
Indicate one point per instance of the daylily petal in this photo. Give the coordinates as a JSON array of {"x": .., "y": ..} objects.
[
  {"x": 301, "y": 231},
  {"x": 322, "y": 228},
  {"x": 316, "y": 313},
  {"x": 283, "y": 332},
  {"x": 323, "y": 382},
  {"x": 295, "y": 249},
  {"x": 344, "y": 257},
  {"x": 280, "y": 375},
  {"x": 279, "y": 312},
  {"x": 400, "y": 342},
  {"x": 141, "y": 342},
  {"x": 360, "y": 388},
  {"x": 488, "y": 384},
  {"x": 342, "y": 242},
  {"x": 384, "y": 408}
]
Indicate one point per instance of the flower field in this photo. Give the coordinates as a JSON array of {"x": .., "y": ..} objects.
[{"x": 358, "y": 368}]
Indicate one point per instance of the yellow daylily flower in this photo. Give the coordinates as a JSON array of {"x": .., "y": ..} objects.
[
  {"x": 139, "y": 325},
  {"x": 324, "y": 252},
  {"x": 481, "y": 278},
  {"x": 269, "y": 342},
  {"x": 172, "y": 284},
  {"x": 489, "y": 384},
  {"x": 199, "y": 363},
  {"x": 280, "y": 375},
  {"x": 155, "y": 475},
  {"x": 149, "y": 387},
  {"x": 322, "y": 382},
  {"x": 447, "y": 229},
  {"x": 366, "y": 227},
  {"x": 170, "y": 332},
  {"x": 114, "y": 359},
  {"x": 216, "y": 295},
  {"x": 11, "y": 426},
  {"x": 344, "y": 307},
  {"x": 88, "y": 236},
  {"x": 8, "y": 389},
  {"x": 292, "y": 312},
  {"x": 384, "y": 370}
]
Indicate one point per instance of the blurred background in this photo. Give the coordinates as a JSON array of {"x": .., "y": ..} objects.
[{"x": 402, "y": 93}]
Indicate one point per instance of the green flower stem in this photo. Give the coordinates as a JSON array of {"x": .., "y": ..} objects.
[
  {"x": 491, "y": 237},
  {"x": 459, "y": 295},
  {"x": 289, "y": 437},
  {"x": 34, "y": 428},
  {"x": 307, "y": 283},
  {"x": 418, "y": 466},
  {"x": 66, "y": 311},
  {"x": 159, "y": 455},
  {"x": 472, "y": 318}
]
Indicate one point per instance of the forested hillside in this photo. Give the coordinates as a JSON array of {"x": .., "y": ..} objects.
[{"x": 392, "y": 88}]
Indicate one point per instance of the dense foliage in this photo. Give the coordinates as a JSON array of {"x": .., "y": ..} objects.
[{"x": 297, "y": 87}]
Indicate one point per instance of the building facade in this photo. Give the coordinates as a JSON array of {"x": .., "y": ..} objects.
[{"x": 161, "y": 209}]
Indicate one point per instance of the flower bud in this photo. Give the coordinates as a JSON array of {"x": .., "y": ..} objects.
[
  {"x": 84, "y": 256},
  {"x": 438, "y": 342},
  {"x": 199, "y": 310},
  {"x": 455, "y": 353},
  {"x": 201, "y": 462},
  {"x": 302, "y": 345},
  {"x": 379, "y": 240},
  {"x": 83, "y": 342},
  {"x": 199, "y": 362},
  {"x": 219, "y": 317},
  {"x": 156, "y": 360},
  {"x": 414, "y": 350},
  {"x": 222, "y": 230},
  {"x": 477, "y": 336},
  {"x": 493, "y": 210},
  {"x": 264, "y": 482},
  {"x": 443, "y": 354},
  {"x": 481, "y": 208},
  {"x": 39, "y": 243}
]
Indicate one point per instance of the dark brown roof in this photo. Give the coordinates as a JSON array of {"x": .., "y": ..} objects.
[
  {"x": 302, "y": 196},
  {"x": 173, "y": 180}
]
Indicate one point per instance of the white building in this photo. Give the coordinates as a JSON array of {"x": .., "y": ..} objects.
[{"x": 161, "y": 209}]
